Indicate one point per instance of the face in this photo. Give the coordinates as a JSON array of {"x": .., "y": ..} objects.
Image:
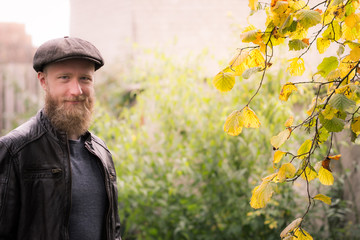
[{"x": 69, "y": 95}]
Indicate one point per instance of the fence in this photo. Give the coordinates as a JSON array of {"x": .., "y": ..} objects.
[{"x": 20, "y": 94}]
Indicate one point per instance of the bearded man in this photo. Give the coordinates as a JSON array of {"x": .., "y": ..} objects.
[{"x": 57, "y": 180}]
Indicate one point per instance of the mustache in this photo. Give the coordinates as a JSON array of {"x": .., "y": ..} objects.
[{"x": 75, "y": 99}]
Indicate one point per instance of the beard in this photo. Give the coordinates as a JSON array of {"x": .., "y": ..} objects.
[{"x": 74, "y": 119}]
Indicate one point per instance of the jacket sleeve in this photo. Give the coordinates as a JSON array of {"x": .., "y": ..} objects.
[{"x": 9, "y": 195}]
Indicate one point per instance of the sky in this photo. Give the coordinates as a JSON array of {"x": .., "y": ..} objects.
[{"x": 43, "y": 19}]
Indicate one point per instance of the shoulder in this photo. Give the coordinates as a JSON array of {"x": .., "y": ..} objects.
[{"x": 22, "y": 135}]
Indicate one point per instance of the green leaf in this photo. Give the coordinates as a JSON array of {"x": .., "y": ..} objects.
[
  {"x": 250, "y": 71},
  {"x": 323, "y": 135},
  {"x": 327, "y": 65},
  {"x": 297, "y": 44},
  {"x": 341, "y": 102},
  {"x": 333, "y": 125},
  {"x": 308, "y": 18}
]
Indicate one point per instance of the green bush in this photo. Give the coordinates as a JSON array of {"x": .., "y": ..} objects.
[{"x": 179, "y": 175}]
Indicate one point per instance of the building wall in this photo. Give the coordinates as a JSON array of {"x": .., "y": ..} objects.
[{"x": 183, "y": 26}]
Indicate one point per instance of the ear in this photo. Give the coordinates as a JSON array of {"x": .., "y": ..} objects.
[{"x": 42, "y": 78}]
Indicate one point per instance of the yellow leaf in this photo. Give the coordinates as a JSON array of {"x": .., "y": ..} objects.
[
  {"x": 301, "y": 234},
  {"x": 353, "y": 20},
  {"x": 286, "y": 91},
  {"x": 346, "y": 65},
  {"x": 355, "y": 54},
  {"x": 224, "y": 81},
  {"x": 323, "y": 198},
  {"x": 250, "y": 120},
  {"x": 329, "y": 112},
  {"x": 322, "y": 44},
  {"x": 289, "y": 122},
  {"x": 304, "y": 149},
  {"x": 278, "y": 155},
  {"x": 294, "y": 224},
  {"x": 278, "y": 140},
  {"x": 287, "y": 170},
  {"x": 355, "y": 125},
  {"x": 255, "y": 59},
  {"x": 325, "y": 176},
  {"x": 239, "y": 58},
  {"x": 261, "y": 195},
  {"x": 253, "y": 4},
  {"x": 250, "y": 34},
  {"x": 296, "y": 67},
  {"x": 233, "y": 124},
  {"x": 310, "y": 174}
]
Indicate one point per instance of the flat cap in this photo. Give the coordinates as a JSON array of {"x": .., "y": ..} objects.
[{"x": 66, "y": 48}]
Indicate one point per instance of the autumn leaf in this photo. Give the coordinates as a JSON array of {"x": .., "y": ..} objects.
[
  {"x": 289, "y": 121},
  {"x": 294, "y": 224},
  {"x": 239, "y": 58},
  {"x": 261, "y": 194},
  {"x": 250, "y": 34},
  {"x": 255, "y": 59},
  {"x": 286, "y": 91},
  {"x": 296, "y": 67},
  {"x": 323, "y": 198},
  {"x": 335, "y": 157},
  {"x": 311, "y": 174},
  {"x": 224, "y": 81},
  {"x": 278, "y": 140},
  {"x": 301, "y": 234},
  {"x": 253, "y": 4},
  {"x": 287, "y": 170},
  {"x": 304, "y": 149},
  {"x": 249, "y": 118},
  {"x": 355, "y": 54},
  {"x": 234, "y": 124},
  {"x": 326, "y": 164},
  {"x": 355, "y": 125},
  {"x": 322, "y": 44},
  {"x": 325, "y": 176},
  {"x": 278, "y": 155}
]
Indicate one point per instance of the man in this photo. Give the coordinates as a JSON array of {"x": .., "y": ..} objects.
[{"x": 57, "y": 180}]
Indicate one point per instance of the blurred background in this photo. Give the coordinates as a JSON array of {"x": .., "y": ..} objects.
[{"x": 179, "y": 175}]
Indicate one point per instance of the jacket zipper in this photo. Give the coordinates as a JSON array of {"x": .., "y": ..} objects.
[
  {"x": 107, "y": 188},
  {"x": 67, "y": 218}
]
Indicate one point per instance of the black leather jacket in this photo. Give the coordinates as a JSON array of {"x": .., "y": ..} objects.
[{"x": 35, "y": 182}]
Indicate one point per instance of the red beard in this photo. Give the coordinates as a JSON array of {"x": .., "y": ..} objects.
[{"x": 74, "y": 119}]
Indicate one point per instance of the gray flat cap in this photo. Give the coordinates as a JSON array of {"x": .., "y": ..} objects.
[{"x": 61, "y": 49}]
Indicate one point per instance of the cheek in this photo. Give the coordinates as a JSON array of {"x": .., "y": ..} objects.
[{"x": 89, "y": 90}]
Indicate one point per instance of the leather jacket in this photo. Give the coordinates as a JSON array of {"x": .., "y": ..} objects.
[{"x": 35, "y": 182}]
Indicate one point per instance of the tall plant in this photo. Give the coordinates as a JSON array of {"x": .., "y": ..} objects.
[{"x": 302, "y": 26}]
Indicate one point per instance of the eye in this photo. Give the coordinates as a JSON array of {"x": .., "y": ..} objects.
[
  {"x": 87, "y": 79},
  {"x": 64, "y": 77}
]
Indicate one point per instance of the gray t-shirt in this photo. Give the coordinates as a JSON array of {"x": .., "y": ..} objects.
[{"x": 88, "y": 195}]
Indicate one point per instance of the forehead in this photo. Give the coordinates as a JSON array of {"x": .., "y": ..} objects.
[{"x": 78, "y": 65}]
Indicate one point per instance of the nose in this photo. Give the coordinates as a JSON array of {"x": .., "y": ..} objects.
[{"x": 75, "y": 88}]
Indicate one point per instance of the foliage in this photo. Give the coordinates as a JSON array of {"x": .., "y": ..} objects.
[
  {"x": 335, "y": 85},
  {"x": 179, "y": 175}
]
